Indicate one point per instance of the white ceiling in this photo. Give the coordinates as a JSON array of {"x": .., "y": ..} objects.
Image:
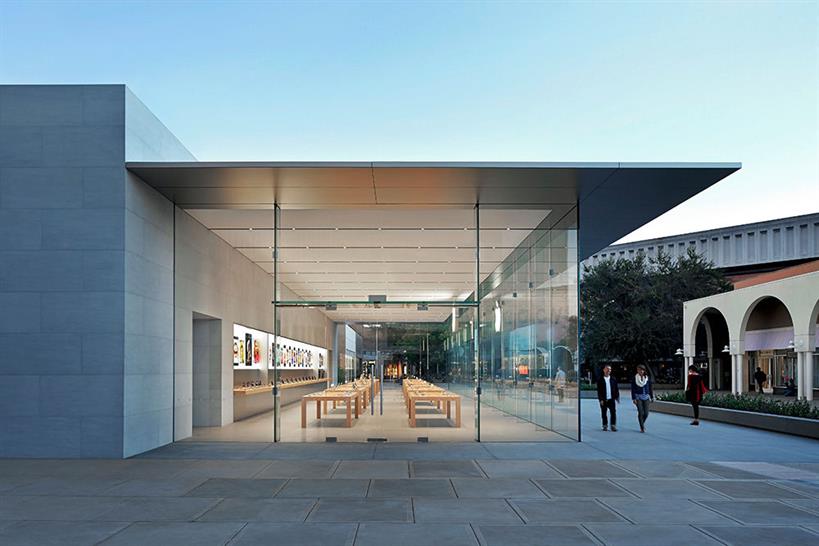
[{"x": 349, "y": 254}]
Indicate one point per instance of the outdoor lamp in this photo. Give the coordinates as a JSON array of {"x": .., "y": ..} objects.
[
  {"x": 679, "y": 352},
  {"x": 726, "y": 349}
]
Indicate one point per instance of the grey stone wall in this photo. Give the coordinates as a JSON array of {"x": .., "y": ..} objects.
[{"x": 62, "y": 269}]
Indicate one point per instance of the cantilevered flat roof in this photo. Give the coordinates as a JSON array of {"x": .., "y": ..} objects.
[{"x": 614, "y": 199}]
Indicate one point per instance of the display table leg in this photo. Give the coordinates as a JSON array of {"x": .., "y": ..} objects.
[
  {"x": 349, "y": 413},
  {"x": 412, "y": 412},
  {"x": 304, "y": 413},
  {"x": 318, "y": 409},
  {"x": 449, "y": 409},
  {"x": 357, "y": 407},
  {"x": 458, "y": 413}
]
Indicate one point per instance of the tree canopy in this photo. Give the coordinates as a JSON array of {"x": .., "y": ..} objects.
[{"x": 631, "y": 309}]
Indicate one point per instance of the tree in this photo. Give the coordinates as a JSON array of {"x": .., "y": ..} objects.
[{"x": 631, "y": 310}]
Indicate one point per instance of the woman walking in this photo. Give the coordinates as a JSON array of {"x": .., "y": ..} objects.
[
  {"x": 642, "y": 394},
  {"x": 695, "y": 391}
]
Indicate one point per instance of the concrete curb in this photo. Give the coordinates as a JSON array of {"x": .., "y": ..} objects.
[{"x": 797, "y": 426}]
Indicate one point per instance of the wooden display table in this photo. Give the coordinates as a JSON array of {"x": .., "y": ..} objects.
[
  {"x": 350, "y": 397},
  {"x": 439, "y": 398}
]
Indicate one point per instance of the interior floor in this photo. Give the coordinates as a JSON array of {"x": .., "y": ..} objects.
[{"x": 393, "y": 425}]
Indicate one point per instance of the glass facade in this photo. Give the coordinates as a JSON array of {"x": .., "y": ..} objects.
[{"x": 528, "y": 338}]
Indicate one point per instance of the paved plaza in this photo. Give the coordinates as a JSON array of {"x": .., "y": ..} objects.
[{"x": 676, "y": 484}]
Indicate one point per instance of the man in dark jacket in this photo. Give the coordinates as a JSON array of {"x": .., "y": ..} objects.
[
  {"x": 608, "y": 393},
  {"x": 760, "y": 377}
]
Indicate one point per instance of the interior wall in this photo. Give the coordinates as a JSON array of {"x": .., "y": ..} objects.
[
  {"x": 207, "y": 362},
  {"x": 215, "y": 280}
]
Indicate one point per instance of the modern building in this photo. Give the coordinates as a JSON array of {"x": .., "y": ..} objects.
[
  {"x": 768, "y": 321},
  {"x": 740, "y": 251},
  {"x": 147, "y": 298}
]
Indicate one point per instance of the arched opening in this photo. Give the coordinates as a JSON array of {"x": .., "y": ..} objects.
[
  {"x": 711, "y": 338},
  {"x": 813, "y": 330},
  {"x": 768, "y": 335}
]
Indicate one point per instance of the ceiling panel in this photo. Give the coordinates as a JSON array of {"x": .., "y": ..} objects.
[{"x": 318, "y": 198}]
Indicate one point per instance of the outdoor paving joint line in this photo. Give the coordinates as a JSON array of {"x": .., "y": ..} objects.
[
  {"x": 480, "y": 468},
  {"x": 808, "y": 529},
  {"x": 712, "y": 490},
  {"x": 268, "y": 465},
  {"x": 621, "y": 467},
  {"x": 512, "y": 506},
  {"x": 412, "y": 508},
  {"x": 209, "y": 509},
  {"x": 369, "y": 486},
  {"x": 701, "y": 505},
  {"x": 245, "y": 524},
  {"x": 556, "y": 469},
  {"x": 474, "y": 532},
  {"x": 623, "y": 488},
  {"x": 310, "y": 511},
  {"x": 355, "y": 533},
  {"x": 600, "y": 501},
  {"x": 114, "y": 533},
  {"x": 539, "y": 488},
  {"x": 790, "y": 502},
  {"x": 591, "y": 534},
  {"x": 334, "y": 468},
  {"x": 709, "y": 535}
]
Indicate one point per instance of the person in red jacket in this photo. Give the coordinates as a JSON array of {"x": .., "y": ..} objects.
[{"x": 695, "y": 391}]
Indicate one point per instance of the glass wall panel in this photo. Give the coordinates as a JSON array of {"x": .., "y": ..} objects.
[{"x": 528, "y": 330}]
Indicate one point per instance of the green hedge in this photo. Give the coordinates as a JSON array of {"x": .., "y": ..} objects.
[{"x": 755, "y": 403}]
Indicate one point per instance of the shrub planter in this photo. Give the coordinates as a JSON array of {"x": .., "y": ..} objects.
[{"x": 777, "y": 423}]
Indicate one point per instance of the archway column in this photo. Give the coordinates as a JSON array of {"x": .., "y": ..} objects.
[{"x": 742, "y": 383}]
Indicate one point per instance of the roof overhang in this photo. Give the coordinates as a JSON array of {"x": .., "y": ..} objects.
[{"x": 613, "y": 199}]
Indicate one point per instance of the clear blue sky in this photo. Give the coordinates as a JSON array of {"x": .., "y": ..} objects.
[{"x": 705, "y": 81}]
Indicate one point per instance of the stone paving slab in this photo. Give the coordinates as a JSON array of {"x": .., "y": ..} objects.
[
  {"x": 404, "y": 534},
  {"x": 445, "y": 469},
  {"x": 518, "y": 469},
  {"x": 582, "y": 488},
  {"x": 298, "y": 469},
  {"x": 723, "y": 471},
  {"x": 499, "y": 488},
  {"x": 296, "y": 534},
  {"x": 770, "y": 512},
  {"x": 668, "y": 511},
  {"x": 749, "y": 489},
  {"x": 564, "y": 511},
  {"x": 372, "y": 469},
  {"x": 761, "y": 535},
  {"x": 263, "y": 510},
  {"x": 333, "y": 452},
  {"x": 57, "y": 533},
  {"x": 232, "y": 487},
  {"x": 656, "y": 488},
  {"x": 811, "y": 505},
  {"x": 664, "y": 469},
  {"x": 532, "y": 535},
  {"x": 53, "y": 508},
  {"x": 362, "y": 510},
  {"x": 429, "y": 510},
  {"x": 66, "y": 486},
  {"x": 441, "y": 451},
  {"x": 590, "y": 469},
  {"x": 625, "y": 534},
  {"x": 303, "y": 487},
  {"x": 221, "y": 469},
  {"x": 807, "y": 488},
  {"x": 411, "y": 487},
  {"x": 173, "y": 487},
  {"x": 176, "y": 533},
  {"x": 156, "y": 509}
]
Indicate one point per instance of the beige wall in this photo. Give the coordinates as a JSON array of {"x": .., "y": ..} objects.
[{"x": 216, "y": 281}]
